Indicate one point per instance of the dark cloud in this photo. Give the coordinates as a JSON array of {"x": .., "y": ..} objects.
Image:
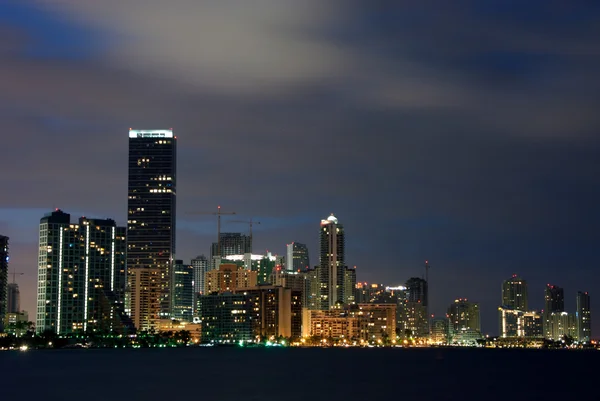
[{"x": 463, "y": 135}]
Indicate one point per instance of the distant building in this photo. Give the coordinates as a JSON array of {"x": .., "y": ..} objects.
[
  {"x": 297, "y": 257},
  {"x": 229, "y": 277},
  {"x": 276, "y": 311},
  {"x": 81, "y": 275},
  {"x": 182, "y": 292},
  {"x": 379, "y": 319},
  {"x": 554, "y": 302},
  {"x": 514, "y": 294},
  {"x": 4, "y": 258},
  {"x": 584, "y": 317},
  {"x": 200, "y": 266},
  {"x": 463, "y": 316},
  {"x": 416, "y": 310},
  {"x": 439, "y": 331},
  {"x": 232, "y": 244},
  {"x": 560, "y": 325},
  {"x": 516, "y": 323},
  {"x": 16, "y": 323},
  {"x": 151, "y": 218},
  {"x": 293, "y": 280},
  {"x": 331, "y": 325},
  {"x": 263, "y": 265},
  {"x": 331, "y": 263},
  {"x": 14, "y": 298},
  {"x": 226, "y": 318}
]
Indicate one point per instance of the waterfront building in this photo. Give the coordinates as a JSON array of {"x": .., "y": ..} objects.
[
  {"x": 297, "y": 259},
  {"x": 16, "y": 323},
  {"x": 416, "y": 320},
  {"x": 331, "y": 263},
  {"x": 4, "y": 258},
  {"x": 554, "y": 302},
  {"x": 379, "y": 321},
  {"x": 182, "y": 292},
  {"x": 463, "y": 316},
  {"x": 584, "y": 317},
  {"x": 151, "y": 218},
  {"x": 560, "y": 325},
  {"x": 439, "y": 331},
  {"x": 517, "y": 323},
  {"x": 293, "y": 280},
  {"x": 81, "y": 275},
  {"x": 276, "y": 311},
  {"x": 331, "y": 325},
  {"x": 226, "y": 318}
]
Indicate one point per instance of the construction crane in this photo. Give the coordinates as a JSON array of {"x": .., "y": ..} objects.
[
  {"x": 14, "y": 274},
  {"x": 218, "y": 213},
  {"x": 250, "y": 223}
]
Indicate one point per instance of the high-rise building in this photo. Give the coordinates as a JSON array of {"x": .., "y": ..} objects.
[
  {"x": 517, "y": 323},
  {"x": 229, "y": 277},
  {"x": 514, "y": 294},
  {"x": 554, "y": 299},
  {"x": 297, "y": 257},
  {"x": 200, "y": 265},
  {"x": 13, "y": 304},
  {"x": 232, "y": 244},
  {"x": 3, "y": 278},
  {"x": 439, "y": 330},
  {"x": 584, "y": 317},
  {"x": 416, "y": 309},
  {"x": 151, "y": 222},
  {"x": 81, "y": 274},
  {"x": 182, "y": 292},
  {"x": 463, "y": 315},
  {"x": 558, "y": 325},
  {"x": 331, "y": 263},
  {"x": 226, "y": 318}
]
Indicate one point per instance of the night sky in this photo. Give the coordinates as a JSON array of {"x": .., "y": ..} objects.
[{"x": 465, "y": 133}]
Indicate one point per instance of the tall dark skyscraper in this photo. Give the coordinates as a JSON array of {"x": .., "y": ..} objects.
[
  {"x": 554, "y": 299},
  {"x": 331, "y": 263},
  {"x": 416, "y": 307},
  {"x": 3, "y": 277},
  {"x": 514, "y": 294},
  {"x": 584, "y": 317},
  {"x": 150, "y": 224},
  {"x": 13, "y": 304},
  {"x": 297, "y": 257}
]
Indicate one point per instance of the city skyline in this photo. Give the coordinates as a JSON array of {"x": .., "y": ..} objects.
[{"x": 475, "y": 152}]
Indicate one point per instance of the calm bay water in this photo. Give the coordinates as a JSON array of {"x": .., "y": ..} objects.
[{"x": 285, "y": 374}]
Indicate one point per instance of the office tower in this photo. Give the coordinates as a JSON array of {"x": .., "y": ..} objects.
[
  {"x": 463, "y": 316},
  {"x": 151, "y": 223},
  {"x": 514, "y": 294},
  {"x": 584, "y": 317},
  {"x": 331, "y": 263},
  {"x": 182, "y": 292},
  {"x": 416, "y": 308},
  {"x": 3, "y": 278},
  {"x": 81, "y": 275},
  {"x": 200, "y": 266},
  {"x": 297, "y": 257},
  {"x": 232, "y": 244},
  {"x": 13, "y": 304}
]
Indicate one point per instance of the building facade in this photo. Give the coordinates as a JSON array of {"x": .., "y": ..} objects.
[
  {"x": 297, "y": 259},
  {"x": 463, "y": 315},
  {"x": 4, "y": 258},
  {"x": 13, "y": 300},
  {"x": 554, "y": 302},
  {"x": 514, "y": 294},
  {"x": 232, "y": 244},
  {"x": 182, "y": 291},
  {"x": 151, "y": 217},
  {"x": 228, "y": 278},
  {"x": 81, "y": 273},
  {"x": 584, "y": 317},
  {"x": 416, "y": 319},
  {"x": 226, "y": 318},
  {"x": 331, "y": 263}
]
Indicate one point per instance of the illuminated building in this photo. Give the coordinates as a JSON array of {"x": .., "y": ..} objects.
[
  {"x": 331, "y": 263},
  {"x": 293, "y": 280},
  {"x": 174, "y": 326},
  {"x": 416, "y": 320},
  {"x": 4, "y": 258},
  {"x": 12, "y": 323},
  {"x": 81, "y": 275},
  {"x": 182, "y": 292},
  {"x": 297, "y": 257},
  {"x": 516, "y": 323},
  {"x": 276, "y": 311},
  {"x": 373, "y": 293},
  {"x": 263, "y": 265},
  {"x": 584, "y": 317},
  {"x": 379, "y": 321},
  {"x": 200, "y": 266},
  {"x": 229, "y": 277},
  {"x": 331, "y": 324},
  {"x": 312, "y": 296},
  {"x": 151, "y": 222},
  {"x": 514, "y": 294},
  {"x": 439, "y": 330},
  {"x": 463, "y": 316},
  {"x": 554, "y": 302},
  {"x": 398, "y": 295},
  {"x": 226, "y": 318},
  {"x": 559, "y": 325}
]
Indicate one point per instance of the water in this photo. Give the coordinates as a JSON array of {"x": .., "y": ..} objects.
[{"x": 286, "y": 374}]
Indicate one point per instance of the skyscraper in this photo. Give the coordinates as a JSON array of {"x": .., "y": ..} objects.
[
  {"x": 331, "y": 263},
  {"x": 182, "y": 291},
  {"x": 297, "y": 257},
  {"x": 463, "y": 315},
  {"x": 13, "y": 304},
  {"x": 416, "y": 310},
  {"x": 584, "y": 317},
  {"x": 514, "y": 294},
  {"x": 200, "y": 266},
  {"x": 81, "y": 274},
  {"x": 151, "y": 224},
  {"x": 554, "y": 299},
  {"x": 3, "y": 277},
  {"x": 232, "y": 244}
]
